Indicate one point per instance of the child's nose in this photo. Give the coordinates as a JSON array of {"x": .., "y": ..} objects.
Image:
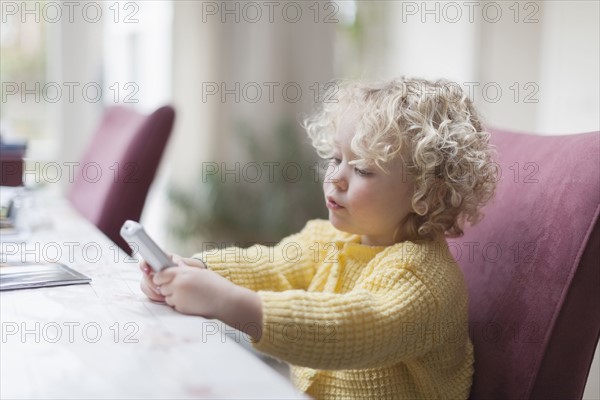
[
  {"x": 338, "y": 179},
  {"x": 341, "y": 184}
]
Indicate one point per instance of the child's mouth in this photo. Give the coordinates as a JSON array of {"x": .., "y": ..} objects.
[{"x": 332, "y": 205}]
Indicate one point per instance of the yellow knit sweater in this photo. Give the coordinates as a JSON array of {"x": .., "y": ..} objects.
[{"x": 357, "y": 321}]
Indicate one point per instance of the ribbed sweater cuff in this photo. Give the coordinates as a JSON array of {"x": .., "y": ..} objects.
[{"x": 276, "y": 329}]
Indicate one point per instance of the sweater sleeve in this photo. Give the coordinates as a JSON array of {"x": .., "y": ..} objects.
[
  {"x": 285, "y": 266},
  {"x": 387, "y": 318}
]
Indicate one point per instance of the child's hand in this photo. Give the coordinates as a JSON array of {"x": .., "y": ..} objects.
[
  {"x": 149, "y": 288},
  {"x": 192, "y": 262},
  {"x": 193, "y": 290}
]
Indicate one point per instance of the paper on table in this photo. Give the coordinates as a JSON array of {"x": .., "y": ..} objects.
[{"x": 32, "y": 275}]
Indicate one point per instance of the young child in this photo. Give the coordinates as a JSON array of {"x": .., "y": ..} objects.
[{"x": 369, "y": 304}]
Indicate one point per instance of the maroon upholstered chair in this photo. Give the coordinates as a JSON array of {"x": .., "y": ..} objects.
[
  {"x": 114, "y": 176},
  {"x": 532, "y": 268}
]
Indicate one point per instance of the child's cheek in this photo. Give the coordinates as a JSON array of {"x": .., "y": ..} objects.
[{"x": 361, "y": 197}]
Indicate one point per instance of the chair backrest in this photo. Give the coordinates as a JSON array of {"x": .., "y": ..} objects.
[
  {"x": 532, "y": 269},
  {"x": 114, "y": 176}
]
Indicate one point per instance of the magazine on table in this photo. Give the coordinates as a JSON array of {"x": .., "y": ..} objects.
[{"x": 25, "y": 275}]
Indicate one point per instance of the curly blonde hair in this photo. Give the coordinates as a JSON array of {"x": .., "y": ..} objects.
[{"x": 434, "y": 128}]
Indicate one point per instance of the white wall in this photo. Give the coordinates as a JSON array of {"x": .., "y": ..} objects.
[
  {"x": 569, "y": 67},
  {"x": 532, "y": 68},
  {"x": 509, "y": 58},
  {"x": 436, "y": 48}
]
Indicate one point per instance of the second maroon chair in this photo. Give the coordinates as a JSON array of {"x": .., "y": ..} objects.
[{"x": 114, "y": 176}]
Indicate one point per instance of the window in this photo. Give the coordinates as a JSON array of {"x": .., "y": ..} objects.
[
  {"x": 24, "y": 40},
  {"x": 137, "y": 53}
]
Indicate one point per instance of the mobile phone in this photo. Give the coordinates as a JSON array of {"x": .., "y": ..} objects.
[{"x": 134, "y": 233}]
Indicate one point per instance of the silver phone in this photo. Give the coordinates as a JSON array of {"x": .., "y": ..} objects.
[{"x": 134, "y": 233}]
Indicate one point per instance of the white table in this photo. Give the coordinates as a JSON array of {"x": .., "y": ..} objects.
[{"x": 106, "y": 339}]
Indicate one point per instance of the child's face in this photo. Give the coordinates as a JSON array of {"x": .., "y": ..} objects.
[{"x": 366, "y": 201}]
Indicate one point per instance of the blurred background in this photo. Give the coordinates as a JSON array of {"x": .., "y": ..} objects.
[{"x": 240, "y": 75}]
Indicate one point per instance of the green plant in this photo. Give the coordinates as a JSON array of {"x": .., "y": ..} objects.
[{"x": 255, "y": 209}]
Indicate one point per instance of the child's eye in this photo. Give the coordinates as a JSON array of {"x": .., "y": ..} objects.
[
  {"x": 334, "y": 160},
  {"x": 362, "y": 172}
]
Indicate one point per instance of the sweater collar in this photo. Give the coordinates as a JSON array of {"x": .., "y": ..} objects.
[{"x": 353, "y": 248}]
